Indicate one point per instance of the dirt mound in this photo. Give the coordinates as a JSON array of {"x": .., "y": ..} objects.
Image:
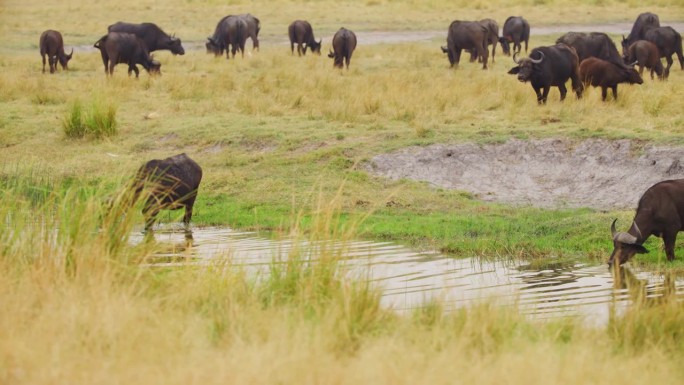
[{"x": 600, "y": 174}]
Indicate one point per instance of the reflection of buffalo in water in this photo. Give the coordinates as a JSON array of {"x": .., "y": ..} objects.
[{"x": 170, "y": 183}]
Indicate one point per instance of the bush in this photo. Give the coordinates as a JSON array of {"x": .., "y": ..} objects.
[{"x": 99, "y": 122}]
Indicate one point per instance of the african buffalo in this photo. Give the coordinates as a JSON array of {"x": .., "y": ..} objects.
[
  {"x": 344, "y": 44},
  {"x": 253, "y": 28},
  {"x": 492, "y": 38},
  {"x": 605, "y": 74},
  {"x": 300, "y": 32},
  {"x": 515, "y": 30},
  {"x": 170, "y": 183},
  {"x": 593, "y": 44},
  {"x": 119, "y": 47},
  {"x": 231, "y": 31},
  {"x": 52, "y": 46},
  {"x": 643, "y": 23},
  {"x": 466, "y": 35},
  {"x": 669, "y": 42},
  {"x": 661, "y": 213},
  {"x": 547, "y": 67},
  {"x": 152, "y": 35},
  {"x": 646, "y": 55}
]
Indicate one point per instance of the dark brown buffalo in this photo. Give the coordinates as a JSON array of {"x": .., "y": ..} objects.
[
  {"x": 605, "y": 74},
  {"x": 643, "y": 23},
  {"x": 169, "y": 184},
  {"x": 231, "y": 32},
  {"x": 52, "y": 45},
  {"x": 301, "y": 33},
  {"x": 645, "y": 54},
  {"x": 152, "y": 35},
  {"x": 344, "y": 44},
  {"x": 492, "y": 38},
  {"x": 515, "y": 30},
  {"x": 127, "y": 48},
  {"x": 466, "y": 35},
  {"x": 669, "y": 42},
  {"x": 593, "y": 44},
  {"x": 548, "y": 67},
  {"x": 253, "y": 28},
  {"x": 661, "y": 213}
]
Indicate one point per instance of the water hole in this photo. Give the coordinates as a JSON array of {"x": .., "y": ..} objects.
[{"x": 408, "y": 278}]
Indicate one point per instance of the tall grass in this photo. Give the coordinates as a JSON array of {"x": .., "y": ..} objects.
[
  {"x": 98, "y": 122},
  {"x": 76, "y": 310}
]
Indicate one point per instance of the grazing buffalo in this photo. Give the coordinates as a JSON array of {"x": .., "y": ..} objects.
[
  {"x": 253, "y": 28},
  {"x": 119, "y": 47},
  {"x": 230, "y": 32},
  {"x": 643, "y": 23},
  {"x": 515, "y": 30},
  {"x": 661, "y": 213},
  {"x": 344, "y": 44},
  {"x": 467, "y": 35},
  {"x": 605, "y": 74},
  {"x": 492, "y": 38},
  {"x": 170, "y": 183},
  {"x": 669, "y": 42},
  {"x": 301, "y": 33},
  {"x": 645, "y": 54},
  {"x": 153, "y": 36},
  {"x": 593, "y": 44},
  {"x": 52, "y": 46},
  {"x": 548, "y": 67}
]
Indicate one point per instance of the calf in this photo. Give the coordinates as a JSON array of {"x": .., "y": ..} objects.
[
  {"x": 646, "y": 55},
  {"x": 52, "y": 45},
  {"x": 344, "y": 44},
  {"x": 605, "y": 74},
  {"x": 300, "y": 32},
  {"x": 170, "y": 183},
  {"x": 119, "y": 47},
  {"x": 661, "y": 213}
]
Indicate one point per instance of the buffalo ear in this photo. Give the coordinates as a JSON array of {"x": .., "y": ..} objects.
[
  {"x": 640, "y": 249},
  {"x": 514, "y": 70}
]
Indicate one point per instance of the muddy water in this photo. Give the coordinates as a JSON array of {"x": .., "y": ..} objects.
[{"x": 409, "y": 278}]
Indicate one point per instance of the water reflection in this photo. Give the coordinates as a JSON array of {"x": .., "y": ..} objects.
[{"x": 409, "y": 278}]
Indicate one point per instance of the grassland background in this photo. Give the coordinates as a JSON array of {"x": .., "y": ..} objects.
[
  {"x": 279, "y": 135},
  {"x": 273, "y": 130}
]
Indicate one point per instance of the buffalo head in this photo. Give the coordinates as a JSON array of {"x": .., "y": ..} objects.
[
  {"x": 175, "y": 46},
  {"x": 64, "y": 60},
  {"x": 525, "y": 67},
  {"x": 625, "y": 245},
  {"x": 505, "y": 46},
  {"x": 213, "y": 46},
  {"x": 316, "y": 46},
  {"x": 632, "y": 74}
]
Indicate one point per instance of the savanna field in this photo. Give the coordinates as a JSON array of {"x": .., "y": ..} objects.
[{"x": 284, "y": 142}]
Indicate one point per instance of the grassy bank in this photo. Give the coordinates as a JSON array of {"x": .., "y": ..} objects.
[{"x": 78, "y": 308}]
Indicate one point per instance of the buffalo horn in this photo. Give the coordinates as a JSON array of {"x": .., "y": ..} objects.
[
  {"x": 537, "y": 61},
  {"x": 633, "y": 64},
  {"x": 514, "y": 59},
  {"x": 612, "y": 229},
  {"x": 626, "y": 238},
  {"x": 71, "y": 53}
]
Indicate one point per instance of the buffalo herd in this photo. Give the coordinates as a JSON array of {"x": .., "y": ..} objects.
[{"x": 583, "y": 58}]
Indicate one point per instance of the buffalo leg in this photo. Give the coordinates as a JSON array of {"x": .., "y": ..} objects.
[
  {"x": 457, "y": 56},
  {"x": 563, "y": 91},
  {"x": 604, "y": 93},
  {"x": 577, "y": 85},
  {"x": 292, "y": 47},
  {"x": 669, "y": 241},
  {"x": 615, "y": 92},
  {"x": 43, "y": 63},
  {"x": 347, "y": 59},
  {"x": 668, "y": 59}
]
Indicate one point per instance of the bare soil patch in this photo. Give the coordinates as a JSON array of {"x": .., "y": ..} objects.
[{"x": 549, "y": 173}]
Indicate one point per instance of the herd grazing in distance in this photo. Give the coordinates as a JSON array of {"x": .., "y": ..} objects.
[{"x": 586, "y": 59}]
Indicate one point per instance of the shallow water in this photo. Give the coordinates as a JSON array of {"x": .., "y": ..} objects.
[{"x": 409, "y": 278}]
